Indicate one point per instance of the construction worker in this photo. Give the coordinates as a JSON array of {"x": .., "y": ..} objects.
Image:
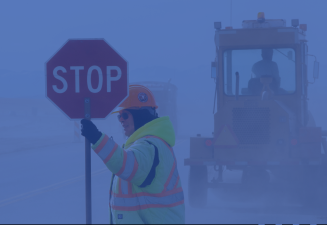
[
  {"x": 266, "y": 67},
  {"x": 145, "y": 185}
]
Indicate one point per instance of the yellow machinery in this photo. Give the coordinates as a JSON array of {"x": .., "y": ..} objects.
[{"x": 262, "y": 124}]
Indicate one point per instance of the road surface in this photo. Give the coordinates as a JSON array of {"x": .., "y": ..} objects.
[{"x": 45, "y": 184}]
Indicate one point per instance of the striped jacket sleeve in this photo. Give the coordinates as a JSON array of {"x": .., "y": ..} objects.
[{"x": 132, "y": 164}]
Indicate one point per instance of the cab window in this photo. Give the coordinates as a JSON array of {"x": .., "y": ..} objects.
[{"x": 276, "y": 64}]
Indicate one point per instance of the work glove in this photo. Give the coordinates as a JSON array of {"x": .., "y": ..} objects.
[{"x": 90, "y": 131}]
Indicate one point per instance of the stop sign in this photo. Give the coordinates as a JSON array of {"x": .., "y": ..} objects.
[{"x": 86, "y": 69}]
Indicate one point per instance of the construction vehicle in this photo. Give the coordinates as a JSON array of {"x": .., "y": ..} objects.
[
  {"x": 165, "y": 94},
  {"x": 262, "y": 124}
]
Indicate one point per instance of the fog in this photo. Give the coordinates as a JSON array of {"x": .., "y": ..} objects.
[{"x": 42, "y": 153}]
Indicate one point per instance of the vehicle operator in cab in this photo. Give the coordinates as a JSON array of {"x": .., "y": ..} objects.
[
  {"x": 266, "y": 67},
  {"x": 145, "y": 186}
]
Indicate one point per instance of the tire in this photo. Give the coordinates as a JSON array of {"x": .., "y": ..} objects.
[{"x": 198, "y": 186}]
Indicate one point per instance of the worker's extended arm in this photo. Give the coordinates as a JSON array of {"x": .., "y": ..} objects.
[{"x": 132, "y": 164}]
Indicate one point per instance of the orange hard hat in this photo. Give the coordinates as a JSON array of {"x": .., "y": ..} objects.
[{"x": 139, "y": 96}]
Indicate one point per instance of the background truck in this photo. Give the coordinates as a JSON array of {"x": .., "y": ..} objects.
[
  {"x": 165, "y": 94},
  {"x": 262, "y": 125}
]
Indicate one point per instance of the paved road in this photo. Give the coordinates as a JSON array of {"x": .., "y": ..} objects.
[{"x": 45, "y": 184}]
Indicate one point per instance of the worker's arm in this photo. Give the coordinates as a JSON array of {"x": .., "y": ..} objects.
[{"x": 132, "y": 164}]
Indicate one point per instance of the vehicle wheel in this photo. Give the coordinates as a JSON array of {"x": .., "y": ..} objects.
[{"x": 198, "y": 186}]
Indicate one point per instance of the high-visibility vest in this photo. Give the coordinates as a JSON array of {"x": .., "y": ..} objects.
[{"x": 161, "y": 200}]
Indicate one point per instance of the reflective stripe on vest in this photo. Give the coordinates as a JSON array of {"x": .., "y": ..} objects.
[
  {"x": 107, "y": 148},
  {"x": 171, "y": 196},
  {"x": 129, "y": 167},
  {"x": 144, "y": 202}
]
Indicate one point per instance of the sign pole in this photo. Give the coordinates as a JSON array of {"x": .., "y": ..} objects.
[
  {"x": 67, "y": 82},
  {"x": 88, "y": 202}
]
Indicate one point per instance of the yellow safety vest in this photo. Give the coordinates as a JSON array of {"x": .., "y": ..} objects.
[{"x": 146, "y": 186}]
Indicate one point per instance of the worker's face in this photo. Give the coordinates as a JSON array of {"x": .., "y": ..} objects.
[{"x": 127, "y": 121}]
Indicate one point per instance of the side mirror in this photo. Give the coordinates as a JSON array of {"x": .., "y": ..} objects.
[
  {"x": 316, "y": 70},
  {"x": 213, "y": 70}
]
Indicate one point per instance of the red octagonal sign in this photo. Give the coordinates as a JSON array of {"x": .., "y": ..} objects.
[{"x": 86, "y": 69}]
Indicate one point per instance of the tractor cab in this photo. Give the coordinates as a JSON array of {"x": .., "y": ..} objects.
[
  {"x": 261, "y": 79},
  {"x": 261, "y": 117}
]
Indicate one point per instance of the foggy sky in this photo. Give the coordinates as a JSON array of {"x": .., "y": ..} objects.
[
  {"x": 159, "y": 39},
  {"x": 175, "y": 34}
]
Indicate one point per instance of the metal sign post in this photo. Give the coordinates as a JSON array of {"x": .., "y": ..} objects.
[
  {"x": 88, "y": 202},
  {"x": 81, "y": 71}
]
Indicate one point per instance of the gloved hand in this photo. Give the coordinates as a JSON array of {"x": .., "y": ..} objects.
[{"x": 90, "y": 131}]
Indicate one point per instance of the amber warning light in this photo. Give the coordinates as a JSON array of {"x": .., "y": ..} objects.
[{"x": 261, "y": 17}]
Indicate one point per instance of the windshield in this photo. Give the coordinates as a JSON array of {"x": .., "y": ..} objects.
[{"x": 256, "y": 67}]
